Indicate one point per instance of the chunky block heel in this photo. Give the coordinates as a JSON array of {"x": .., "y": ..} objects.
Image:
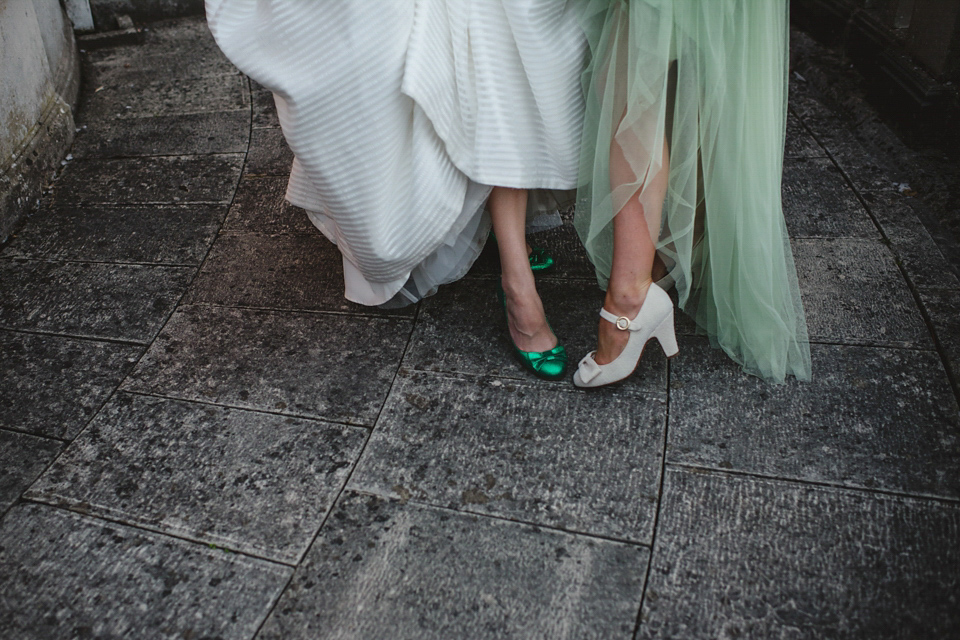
[{"x": 666, "y": 335}]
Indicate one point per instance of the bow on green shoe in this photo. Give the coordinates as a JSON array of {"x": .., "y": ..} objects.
[
  {"x": 549, "y": 365},
  {"x": 541, "y": 260}
]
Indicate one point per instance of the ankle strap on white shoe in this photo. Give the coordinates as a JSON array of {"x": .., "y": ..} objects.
[{"x": 621, "y": 322}]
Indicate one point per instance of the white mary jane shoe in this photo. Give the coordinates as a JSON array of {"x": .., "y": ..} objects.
[{"x": 655, "y": 320}]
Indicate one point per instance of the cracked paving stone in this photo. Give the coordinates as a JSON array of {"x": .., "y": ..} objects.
[
  {"x": 913, "y": 245},
  {"x": 330, "y": 366},
  {"x": 383, "y": 569},
  {"x": 69, "y": 576},
  {"x": 190, "y": 134},
  {"x": 582, "y": 461},
  {"x": 22, "y": 459},
  {"x": 51, "y": 386},
  {"x": 153, "y": 180},
  {"x": 277, "y": 272},
  {"x": 874, "y": 418},
  {"x": 799, "y": 142},
  {"x": 113, "y": 301},
  {"x": 818, "y": 203},
  {"x": 260, "y": 207},
  {"x": 853, "y": 293},
  {"x": 269, "y": 154},
  {"x": 462, "y": 329},
  {"x": 134, "y": 234},
  {"x": 247, "y": 481},
  {"x": 750, "y": 558}
]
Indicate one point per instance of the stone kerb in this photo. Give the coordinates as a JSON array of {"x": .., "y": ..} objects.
[{"x": 40, "y": 65}]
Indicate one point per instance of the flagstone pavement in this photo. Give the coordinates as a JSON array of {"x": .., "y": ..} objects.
[{"x": 200, "y": 438}]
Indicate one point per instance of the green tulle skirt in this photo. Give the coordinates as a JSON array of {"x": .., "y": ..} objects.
[{"x": 708, "y": 79}]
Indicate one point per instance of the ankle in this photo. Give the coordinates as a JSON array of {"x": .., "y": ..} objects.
[
  {"x": 518, "y": 284},
  {"x": 626, "y": 300}
]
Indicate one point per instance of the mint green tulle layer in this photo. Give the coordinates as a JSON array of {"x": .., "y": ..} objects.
[{"x": 709, "y": 78}]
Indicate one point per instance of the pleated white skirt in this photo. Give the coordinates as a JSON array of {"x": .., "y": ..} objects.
[{"x": 401, "y": 121}]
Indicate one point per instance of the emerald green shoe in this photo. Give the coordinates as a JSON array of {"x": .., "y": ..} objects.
[
  {"x": 540, "y": 258},
  {"x": 549, "y": 365}
]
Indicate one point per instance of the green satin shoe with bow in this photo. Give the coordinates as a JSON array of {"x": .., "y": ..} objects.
[
  {"x": 540, "y": 258},
  {"x": 549, "y": 365}
]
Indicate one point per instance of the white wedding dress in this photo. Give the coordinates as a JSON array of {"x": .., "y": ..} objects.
[{"x": 402, "y": 114}]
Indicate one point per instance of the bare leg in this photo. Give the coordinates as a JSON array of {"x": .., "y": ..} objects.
[
  {"x": 634, "y": 251},
  {"x": 526, "y": 319}
]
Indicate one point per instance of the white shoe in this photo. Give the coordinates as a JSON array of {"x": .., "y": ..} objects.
[{"x": 655, "y": 320}]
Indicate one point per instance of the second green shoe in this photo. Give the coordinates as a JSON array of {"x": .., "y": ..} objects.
[{"x": 549, "y": 365}]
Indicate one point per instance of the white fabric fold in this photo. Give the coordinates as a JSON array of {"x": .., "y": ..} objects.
[{"x": 387, "y": 166}]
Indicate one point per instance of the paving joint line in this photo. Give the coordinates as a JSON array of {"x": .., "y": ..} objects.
[
  {"x": 54, "y": 334},
  {"x": 50, "y": 260},
  {"x": 330, "y": 312},
  {"x": 819, "y": 484},
  {"x": 140, "y": 527},
  {"x": 343, "y": 487},
  {"x": 656, "y": 513},
  {"x": 209, "y": 403},
  {"x": 500, "y": 518}
]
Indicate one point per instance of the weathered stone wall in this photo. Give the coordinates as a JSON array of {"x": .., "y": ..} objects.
[
  {"x": 39, "y": 65},
  {"x": 908, "y": 53}
]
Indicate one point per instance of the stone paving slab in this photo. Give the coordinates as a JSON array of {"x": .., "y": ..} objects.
[
  {"x": 113, "y": 301},
  {"x": 910, "y": 241},
  {"x": 943, "y": 308},
  {"x": 134, "y": 93},
  {"x": 246, "y": 481},
  {"x": 189, "y": 134},
  {"x": 329, "y": 366},
  {"x": 799, "y": 142},
  {"x": 277, "y": 272},
  {"x": 259, "y": 206},
  {"x": 269, "y": 154},
  {"x": 264, "y": 107},
  {"x": 51, "y": 386},
  {"x": 462, "y": 329},
  {"x": 746, "y": 558},
  {"x": 864, "y": 171},
  {"x": 179, "y": 235},
  {"x": 853, "y": 293},
  {"x": 817, "y": 202},
  {"x": 381, "y": 569},
  {"x": 182, "y": 48},
  {"x": 179, "y": 33},
  {"x": 189, "y": 61},
  {"x": 583, "y": 461},
  {"x": 157, "y": 180},
  {"x": 874, "y": 418},
  {"x": 22, "y": 459},
  {"x": 70, "y": 576}
]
